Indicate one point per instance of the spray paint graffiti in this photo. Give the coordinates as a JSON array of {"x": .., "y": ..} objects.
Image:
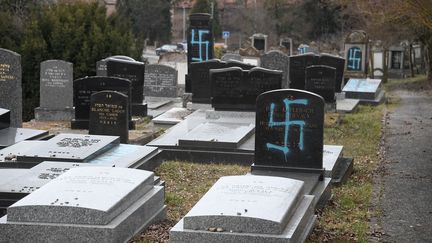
[
  {"x": 201, "y": 57},
  {"x": 288, "y": 125},
  {"x": 354, "y": 58}
]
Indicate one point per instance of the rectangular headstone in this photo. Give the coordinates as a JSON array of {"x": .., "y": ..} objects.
[
  {"x": 56, "y": 86},
  {"x": 224, "y": 135},
  {"x": 321, "y": 80},
  {"x": 247, "y": 204},
  {"x": 297, "y": 67},
  {"x": 85, "y": 87},
  {"x": 11, "y": 85},
  {"x": 277, "y": 60},
  {"x": 70, "y": 147},
  {"x": 4, "y": 118},
  {"x": 200, "y": 79},
  {"x": 289, "y": 130},
  {"x": 160, "y": 81},
  {"x": 101, "y": 68},
  {"x": 339, "y": 64},
  {"x": 109, "y": 113}
]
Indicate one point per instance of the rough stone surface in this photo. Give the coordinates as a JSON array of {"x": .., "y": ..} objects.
[
  {"x": 11, "y": 85},
  {"x": 56, "y": 86},
  {"x": 160, "y": 81},
  {"x": 277, "y": 60}
]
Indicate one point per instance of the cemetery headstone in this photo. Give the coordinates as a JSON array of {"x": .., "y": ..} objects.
[
  {"x": 289, "y": 130},
  {"x": 356, "y": 48},
  {"x": 69, "y": 147},
  {"x": 75, "y": 207},
  {"x": 160, "y": 81},
  {"x": 259, "y": 41},
  {"x": 297, "y": 67},
  {"x": 277, "y": 60},
  {"x": 249, "y": 209},
  {"x": 368, "y": 91},
  {"x": 11, "y": 85},
  {"x": 85, "y": 87},
  {"x": 101, "y": 68},
  {"x": 56, "y": 91},
  {"x": 287, "y": 43},
  {"x": 321, "y": 80},
  {"x": 133, "y": 71},
  {"x": 109, "y": 114},
  {"x": 338, "y": 63},
  {"x": 200, "y": 79},
  {"x": 4, "y": 118}
]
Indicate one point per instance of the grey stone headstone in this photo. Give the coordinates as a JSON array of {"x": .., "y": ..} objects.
[
  {"x": 56, "y": 84},
  {"x": 80, "y": 196},
  {"x": 11, "y": 85},
  {"x": 160, "y": 81},
  {"x": 101, "y": 68},
  {"x": 70, "y": 147},
  {"x": 277, "y": 60}
]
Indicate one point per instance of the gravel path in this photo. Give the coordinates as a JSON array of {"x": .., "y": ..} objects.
[{"x": 405, "y": 181}]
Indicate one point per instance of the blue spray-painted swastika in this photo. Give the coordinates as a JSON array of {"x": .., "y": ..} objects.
[
  {"x": 354, "y": 58},
  {"x": 200, "y": 44},
  {"x": 303, "y": 50},
  {"x": 287, "y": 123}
]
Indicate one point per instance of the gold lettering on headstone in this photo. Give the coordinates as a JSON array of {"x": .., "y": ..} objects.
[
  {"x": 108, "y": 114},
  {"x": 5, "y": 74}
]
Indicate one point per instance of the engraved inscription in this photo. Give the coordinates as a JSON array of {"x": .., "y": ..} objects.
[{"x": 5, "y": 74}]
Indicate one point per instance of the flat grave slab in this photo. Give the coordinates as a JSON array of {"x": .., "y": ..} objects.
[
  {"x": 125, "y": 156},
  {"x": 346, "y": 105},
  {"x": 225, "y": 135},
  {"x": 10, "y": 153},
  {"x": 75, "y": 207},
  {"x": 331, "y": 155},
  {"x": 172, "y": 116},
  {"x": 11, "y": 135},
  {"x": 70, "y": 147},
  {"x": 368, "y": 91},
  {"x": 249, "y": 209}
]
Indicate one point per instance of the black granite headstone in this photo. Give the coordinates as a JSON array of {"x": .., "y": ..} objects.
[
  {"x": 339, "y": 64},
  {"x": 289, "y": 130},
  {"x": 109, "y": 112},
  {"x": 298, "y": 64},
  {"x": 133, "y": 71},
  {"x": 4, "y": 118},
  {"x": 199, "y": 41},
  {"x": 321, "y": 79},
  {"x": 85, "y": 87},
  {"x": 11, "y": 85},
  {"x": 235, "y": 89}
]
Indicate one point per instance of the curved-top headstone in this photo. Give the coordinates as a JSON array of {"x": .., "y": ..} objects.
[
  {"x": 11, "y": 85},
  {"x": 289, "y": 129},
  {"x": 56, "y": 84},
  {"x": 277, "y": 60}
]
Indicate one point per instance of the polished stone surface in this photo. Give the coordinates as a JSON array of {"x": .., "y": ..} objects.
[{"x": 10, "y": 136}]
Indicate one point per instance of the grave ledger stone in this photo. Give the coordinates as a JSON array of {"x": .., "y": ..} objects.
[
  {"x": 11, "y": 85},
  {"x": 56, "y": 91},
  {"x": 160, "y": 81},
  {"x": 85, "y": 87},
  {"x": 109, "y": 112},
  {"x": 133, "y": 71},
  {"x": 235, "y": 89},
  {"x": 75, "y": 207},
  {"x": 249, "y": 209}
]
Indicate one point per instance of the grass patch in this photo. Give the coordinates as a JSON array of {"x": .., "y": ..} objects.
[{"x": 407, "y": 84}]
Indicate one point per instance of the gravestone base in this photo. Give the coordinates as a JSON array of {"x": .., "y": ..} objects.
[
  {"x": 380, "y": 98},
  {"x": 139, "y": 109},
  {"x": 146, "y": 210},
  {"x": 343, "y": 171},
  {"x": 49, "y": 114},
  {"x": 330, "y": 107},
  {"x": 347, "y": 105}
]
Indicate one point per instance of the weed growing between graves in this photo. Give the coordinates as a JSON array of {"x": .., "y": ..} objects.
[{"x": 347, "y": 216}]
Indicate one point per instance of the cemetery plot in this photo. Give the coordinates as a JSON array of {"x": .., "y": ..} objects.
[
  {"x": 249, "y": 209},
  {"x": 75, "y": 207},
  {"x": 10, "y": 135},
  {"x": 368, "y": 91}
]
